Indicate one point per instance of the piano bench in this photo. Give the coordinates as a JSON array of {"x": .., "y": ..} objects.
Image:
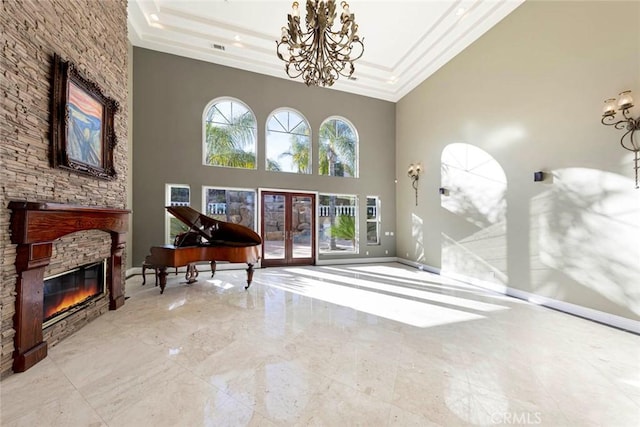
[{"x": 155, "y": 268}]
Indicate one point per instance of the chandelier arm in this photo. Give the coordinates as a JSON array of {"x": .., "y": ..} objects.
[
  {"x": 609, "y": 121},
  {"x": 636, "y": 166},
  {"x": 303, "y": 59},
  {"x": 635, "y": 126},
  {"x": 339, "y": 51},
  {"x": 335, "y": 61},
  {"x": 622, "y": 124},
  {"x": 622, "y": 143}
]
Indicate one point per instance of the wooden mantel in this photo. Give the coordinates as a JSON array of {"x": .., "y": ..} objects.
[{"x": 34, "y": 227}]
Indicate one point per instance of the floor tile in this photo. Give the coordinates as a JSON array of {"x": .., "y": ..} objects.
[{"x": 371, "y": 345}]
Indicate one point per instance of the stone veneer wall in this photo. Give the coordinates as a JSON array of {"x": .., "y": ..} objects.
[{"x": 93, "y": 35}]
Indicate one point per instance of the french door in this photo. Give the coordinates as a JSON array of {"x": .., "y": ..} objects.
[{"x": 288, "y": 228}]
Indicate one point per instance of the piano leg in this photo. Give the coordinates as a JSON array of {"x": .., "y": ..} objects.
[
  {"x": 192, "y": 273},
  {"x": 144, "y": 270},
  {"x": 249, "y": 275},
  {"x": 162, "y": 274},
  {"x": 213, "y": 268}
]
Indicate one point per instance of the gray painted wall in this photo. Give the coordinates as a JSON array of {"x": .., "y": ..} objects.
[
  {"x": 530, "y": 94},
  {"x": 169, "y": 97}
]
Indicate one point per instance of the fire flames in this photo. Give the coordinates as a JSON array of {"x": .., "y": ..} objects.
[{"x": 67, "y": 300}]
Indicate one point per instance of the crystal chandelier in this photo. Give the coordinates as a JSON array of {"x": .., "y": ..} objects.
[
  {"x": 319, "y": 54},
  {"x": 627, "y": 123}
]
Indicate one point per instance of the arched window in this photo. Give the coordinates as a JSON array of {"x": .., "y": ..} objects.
[
  {"x": 230, "y": 134},
  {"x": 288, "y": 142},
  {"x": 338, "y": 150}
]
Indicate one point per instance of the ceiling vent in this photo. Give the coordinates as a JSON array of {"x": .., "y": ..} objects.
[{"x": 218, "y": 47}]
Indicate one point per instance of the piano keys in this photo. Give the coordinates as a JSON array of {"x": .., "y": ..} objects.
[{"x": 218, "y": 241}]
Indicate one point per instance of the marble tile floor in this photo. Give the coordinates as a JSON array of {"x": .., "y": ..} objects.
[{"x": 369, "y": 345}]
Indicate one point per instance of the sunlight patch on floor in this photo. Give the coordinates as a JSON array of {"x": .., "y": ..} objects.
[
  {"x": 220, "y": 284},
  {"x": 411, "y": 312},
  {"x": 422, "y": 294}
]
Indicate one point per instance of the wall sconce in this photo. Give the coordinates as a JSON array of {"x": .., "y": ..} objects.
[
  {"x": 414, "y": 173},
  {"x": 628, "y": 123}
]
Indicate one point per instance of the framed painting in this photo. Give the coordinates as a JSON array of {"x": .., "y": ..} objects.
[{"x": 82, "y": 132}]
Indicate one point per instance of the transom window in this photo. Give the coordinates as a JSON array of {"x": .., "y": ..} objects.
[
  {"x": 230, "y": 134},
  {"x": 338, "y": 151},
  {"x": 288, "y": 142}
]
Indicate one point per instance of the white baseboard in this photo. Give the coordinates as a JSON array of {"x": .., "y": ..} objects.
[
  {"x": 566, "y": 307},
  {"x": 419, "y": 266},
  {"x": 578, "y": 310}
]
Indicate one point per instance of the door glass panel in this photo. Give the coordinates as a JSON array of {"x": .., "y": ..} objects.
[
  {"x": 274, "y": 226},
  {"x": 301, "y": 229}
]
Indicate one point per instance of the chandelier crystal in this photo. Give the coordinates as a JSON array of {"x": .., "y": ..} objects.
[{"x": 319, "y": 54}]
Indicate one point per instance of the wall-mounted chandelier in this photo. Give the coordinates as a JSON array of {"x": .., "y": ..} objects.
[
  {"x": 319, "y": 54},
  {"x": 628, "y": 123}
]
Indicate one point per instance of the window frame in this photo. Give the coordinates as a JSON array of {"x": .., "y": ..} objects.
[
  {"x": 205, "y": 112},
  {"x": 167, "y": 218},
  {"x": 377, "y": 220},
  {"x": 319, "y": 222},
  {"x": 251, "y": 190},
  {"x": 266, "y": 139},
  {"x": 356, "y": 166}
]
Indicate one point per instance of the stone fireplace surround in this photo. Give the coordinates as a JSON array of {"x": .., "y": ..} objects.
[{"x": 34, "y": 226}]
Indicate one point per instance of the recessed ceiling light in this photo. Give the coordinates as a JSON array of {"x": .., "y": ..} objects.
[
  {"x": 237, "y": 38},
  {"x": 460, "y": 11},
  {"x": 154, "y": 17}
]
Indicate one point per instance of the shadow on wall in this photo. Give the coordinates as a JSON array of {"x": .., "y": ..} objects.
[
  {"x": 585, "y": 236},
  {"x": 475, "y": 244}
]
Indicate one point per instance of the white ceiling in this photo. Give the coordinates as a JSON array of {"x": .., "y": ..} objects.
[{"x": 405, "y": 41}]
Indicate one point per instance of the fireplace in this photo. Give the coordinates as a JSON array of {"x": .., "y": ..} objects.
[
  {"x": 34, "y": 227},
  {"x": 68, "y": 292}
]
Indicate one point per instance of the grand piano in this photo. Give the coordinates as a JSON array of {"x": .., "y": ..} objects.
[{"x": 207, "y": 240}]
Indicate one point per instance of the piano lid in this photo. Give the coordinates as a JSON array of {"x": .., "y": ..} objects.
[{"x": 214, "y": 231}]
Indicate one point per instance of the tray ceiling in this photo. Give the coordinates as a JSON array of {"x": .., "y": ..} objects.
[{"x": 405, "y": 41}]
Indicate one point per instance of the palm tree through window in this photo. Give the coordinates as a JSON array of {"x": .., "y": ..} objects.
[
  {"x": 288, "y": 142},
  {"x": 338, "y": 150},
  {"x": 230, "y": 134}
]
